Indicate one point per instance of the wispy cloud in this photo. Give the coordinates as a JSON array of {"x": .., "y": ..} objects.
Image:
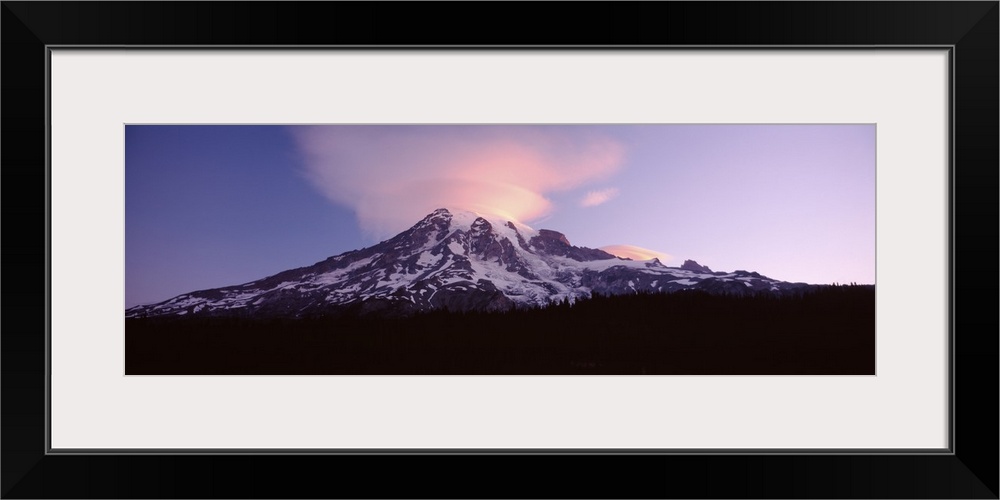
[
  {"x": 393, "y": 175},
  {"x": 636, "y": 253},
  {"x": 594, "y": 198}
]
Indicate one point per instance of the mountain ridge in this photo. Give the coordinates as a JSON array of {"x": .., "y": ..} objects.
[{"x": 457, "y": 260}]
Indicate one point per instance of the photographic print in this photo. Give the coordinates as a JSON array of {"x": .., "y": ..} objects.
[{"x": 715, "y": 249}]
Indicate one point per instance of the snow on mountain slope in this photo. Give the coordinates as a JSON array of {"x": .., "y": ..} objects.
[{"x": 457, "y": 260}]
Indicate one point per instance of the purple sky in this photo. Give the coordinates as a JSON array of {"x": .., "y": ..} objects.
[{"x": 211, "y": 206}]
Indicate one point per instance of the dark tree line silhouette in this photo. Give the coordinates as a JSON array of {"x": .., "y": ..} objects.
[{"x": 829, "y": 330}]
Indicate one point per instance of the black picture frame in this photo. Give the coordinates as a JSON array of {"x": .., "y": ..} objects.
[{"x": 970, "y": 470}]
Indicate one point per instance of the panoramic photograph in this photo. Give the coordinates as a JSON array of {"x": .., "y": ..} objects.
[{"x": 648, "y": 249}]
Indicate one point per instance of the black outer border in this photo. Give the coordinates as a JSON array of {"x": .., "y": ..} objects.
[{"x": 970, "y": 27}]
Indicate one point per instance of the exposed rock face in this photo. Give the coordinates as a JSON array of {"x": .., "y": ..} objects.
[
  {"x": 460, "y": 261},
  {"x": 554, "y": 236},
  {"x": 690, "y": 265},
  {"x": 555, "y": 243}
]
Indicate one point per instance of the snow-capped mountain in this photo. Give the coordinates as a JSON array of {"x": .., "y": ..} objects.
[{"x": 457, "y": 260}]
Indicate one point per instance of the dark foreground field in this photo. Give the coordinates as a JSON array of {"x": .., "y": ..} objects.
[{"x": 830, "y": 331}]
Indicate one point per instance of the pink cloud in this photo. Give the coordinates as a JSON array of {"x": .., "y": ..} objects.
[
  {"x": 393, "y": 175},
  {"x": 594, "y": 198},
  {"x": 636, "y": 253}
]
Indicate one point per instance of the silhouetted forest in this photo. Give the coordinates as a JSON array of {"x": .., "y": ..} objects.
[{"x": 830, "y": 330}]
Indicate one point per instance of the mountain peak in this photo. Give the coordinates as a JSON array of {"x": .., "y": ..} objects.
[
  {"x": 690, "y": 265},
  {"x": 441, "y": 214},
  {"x": 466, "y": 219},
  {"x": 549, "y": 234}
]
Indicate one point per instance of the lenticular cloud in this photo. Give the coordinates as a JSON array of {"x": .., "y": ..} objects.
[
  {"x": 393, "y": 175},
  {"x": 636, "y": 253},
  {"x": 594, "y": 198}
]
